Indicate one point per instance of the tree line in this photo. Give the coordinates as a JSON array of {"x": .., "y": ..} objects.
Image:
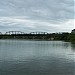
[{"x": 54, "y": 36}]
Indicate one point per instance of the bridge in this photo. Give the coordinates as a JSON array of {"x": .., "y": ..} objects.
[
  {"x": 19, "y": 32},
  {"x": 22, "y": 35},
  {"x": 14, "y": 32},
  {"x": 38, "y": 33}
]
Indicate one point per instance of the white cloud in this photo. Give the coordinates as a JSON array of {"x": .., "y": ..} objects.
[{"x": 36, "y": 25}]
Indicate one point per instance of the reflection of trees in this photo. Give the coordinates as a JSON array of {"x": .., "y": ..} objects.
[
  {"x": 73, "y": 46},
  {"x": 66, "y": 45}
]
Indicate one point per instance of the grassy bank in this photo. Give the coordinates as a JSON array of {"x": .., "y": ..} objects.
[
  {"x": 71, "y": 38},
  {"x": 65, "y": 37}
]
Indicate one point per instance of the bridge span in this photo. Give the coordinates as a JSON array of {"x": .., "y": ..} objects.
[
  {"x": 14, "y": 32},
  {"x": 22, "y": 35},
  {"x": 20, "y": 32},
  {"x": 38, "y": 33}
]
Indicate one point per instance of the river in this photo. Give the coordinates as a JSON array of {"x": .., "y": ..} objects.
[{"x": 21, "y": 57}]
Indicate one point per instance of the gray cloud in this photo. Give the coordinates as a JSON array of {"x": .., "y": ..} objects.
[{"x": 40, "y": 15}]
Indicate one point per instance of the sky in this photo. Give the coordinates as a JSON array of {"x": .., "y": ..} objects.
[{"x": 37, "y": 15}]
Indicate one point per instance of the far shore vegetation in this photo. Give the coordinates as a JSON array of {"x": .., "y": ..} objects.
[{"x": 65, "y": 36}]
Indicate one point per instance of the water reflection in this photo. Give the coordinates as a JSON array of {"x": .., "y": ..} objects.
[
  {"x": 73, "y": 46},
  {"x": 19, "y": 57}
]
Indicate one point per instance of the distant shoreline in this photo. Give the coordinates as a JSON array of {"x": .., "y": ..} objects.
[{"x": 70, "y": 37}]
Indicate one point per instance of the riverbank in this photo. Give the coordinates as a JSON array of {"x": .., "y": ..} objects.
[{"x": 70, "y": 37}]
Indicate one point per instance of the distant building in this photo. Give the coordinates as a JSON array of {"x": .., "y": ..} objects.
[{"x": 73, "y": 31}]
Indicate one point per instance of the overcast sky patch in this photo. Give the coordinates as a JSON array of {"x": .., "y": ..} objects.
[{"x": 37, "y": 15}]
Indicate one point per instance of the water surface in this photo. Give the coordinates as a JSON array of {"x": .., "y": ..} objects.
[{"x": 20, "y": 57}]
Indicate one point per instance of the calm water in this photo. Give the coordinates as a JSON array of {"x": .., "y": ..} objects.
[{"x": 20, "y": 57}]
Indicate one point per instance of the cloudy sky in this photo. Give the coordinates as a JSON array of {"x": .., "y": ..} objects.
[{"x": 37, "y": 15}]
